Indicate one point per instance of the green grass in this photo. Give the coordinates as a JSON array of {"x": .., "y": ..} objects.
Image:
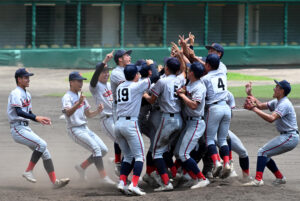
[
  {"x": 89, "y": 75},
  {"x": 243, "y": 77},
  {"x": 263, "y": 91}
]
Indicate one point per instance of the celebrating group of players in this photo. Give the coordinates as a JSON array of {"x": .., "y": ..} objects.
[{"x": 183, "y": 107}]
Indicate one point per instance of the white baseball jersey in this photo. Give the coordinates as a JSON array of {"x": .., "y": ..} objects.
[
  {"x": 222, "y": 67},
  {"x": 286, "y": 111},
  {"x": 102, "y": 94},
  {"x": 116, "y": 78},
  {"x": 165, "y": 89},
  {"x": 129, "y": 97},
  {"x": 216, "y": 85},
  {"x": 195, "y": 91},
  {"x": 78, "y": 118},
  {"x": 18, "y": 98},
  {"x": 230, "y": 100}
]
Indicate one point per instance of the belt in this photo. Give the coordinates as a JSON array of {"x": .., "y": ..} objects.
[
  {"x": 286, "y": 132},
  {"x": 195, "y": 118},
  {"x": 171, "y": 114},
  {"x": 22, "y": 123},
  {"x": 127, "y": 118},
  {"x": 116, "y": 102}
]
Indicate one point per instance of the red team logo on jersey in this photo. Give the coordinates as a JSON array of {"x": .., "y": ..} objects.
[
  {"x": 82, "y": 104},
  {"x": 25, "y": 102},
  {"x": 108, "y": 94}
]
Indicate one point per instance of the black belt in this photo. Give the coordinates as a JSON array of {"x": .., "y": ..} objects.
[
  {"x": 286, "y": 132},
  {"x": 23, "y": 123},
  {"x": 127, "y": 118},
  {"x": 116, "y": 102},
  {"x": 171, "y": 114},
  {"x": 194, "y": 118}
]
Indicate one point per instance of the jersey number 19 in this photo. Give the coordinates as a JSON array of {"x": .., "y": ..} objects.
[{"x": 123, "y": 95}]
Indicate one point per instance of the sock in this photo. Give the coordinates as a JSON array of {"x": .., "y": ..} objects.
[
  {"x": 87, "y": 162},
  {"x": 99, "y": 165},
  {"x": 225, "y": 153},
  {"x": 229, "y": 147},
  {"x": 123, "y": 178},
  {"x": 178, "y": 163},
  {"x": 48, "y": 165},
  {"x": 244, "y": 164},
  {"x": 212, "y": 151},
  {"x": 36, "y": 155},
  {"x": 165, "y": 178},
  {"x": 192, "y": 174},
  {"x": 150, "y": 167},
  {"x": 173, "y": 171},
  {"x": 138, "y": 166},
  {"x": 273, "y": 167},
  {"x": 214, "y": 157},
  {"x": 117, "y": 153},
  {"x": 261, "y": 164},
  {"x": 162, "y": 170},
  {"x": 167, "y": 156},
  {"x": 230, "y": 155},
  {"x": 192, "y": 166}
]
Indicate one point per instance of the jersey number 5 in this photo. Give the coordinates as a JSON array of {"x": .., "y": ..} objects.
[{"x": 123, "y": 95}]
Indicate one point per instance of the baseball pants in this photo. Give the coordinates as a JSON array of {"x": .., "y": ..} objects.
[
  {"x": 24, "y": 135},
  {"x": 108, "y": 125},
  {"x": 86, "y": 138},
  {"x": 129, "y": 139}
]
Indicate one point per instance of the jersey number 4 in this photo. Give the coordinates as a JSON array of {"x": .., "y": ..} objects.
[
  {"x": 219, "y": 84},
  {"x": 123, "y": 95}
]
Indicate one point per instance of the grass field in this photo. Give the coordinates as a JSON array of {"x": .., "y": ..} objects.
[{"x": 263, "y": 91}]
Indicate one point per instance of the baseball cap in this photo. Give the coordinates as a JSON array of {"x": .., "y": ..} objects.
[
  {"x": 130, "y": 71},
  {"x": 285, "y": 85},
  {"x": 213, "y": 60},
  {"x": 120, "y": 53},
  {"x": 173, "y": 64},
  {"x": 22, "y": 72},
  {"x": 217, "y": 47},
  {"x": 75, "y": 75},
  {"x": 143, "y": 67},
  {"x": 198, "y": 69}
]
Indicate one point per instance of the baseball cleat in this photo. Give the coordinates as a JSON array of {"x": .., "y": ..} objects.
[
  {"x": 246, "y": 177},
  {"x": 29, "y": 176},
  {"x": 81, "y": 172},
  {"x": 164, "y": 187},
  {"x": 217, "y": 169},
  {"x": 209, "y": 175},
  {"x": 225, "y": 171},
  {"x": 189, "y": 183},
  {"x": 278, "y": 181},
  {"x": 254, "y": 183},
  {"x": 123, "y": 188},
  {"x": 135, "y": 190},
  {"x": 59, "y": 183},
  {"x": 117, "y": 169},
  {"x": 107, "y": 180},
  {"x": 201, "y": 183},
  {"x": 233, "y": 174}
]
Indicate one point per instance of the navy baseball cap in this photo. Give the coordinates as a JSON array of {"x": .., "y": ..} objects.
[
  {"x": 285, "y": 85},
  {"x": 213, "y": 60},
  {"x": 75, "y": 75},
  {"x": 143, "y": 67},
  {"x": 120, "y": 53},
  {"x": 173, "y": 64},
  {"x": 217, "y": 47},
  {"x": 198, "y": 69},
  {"x": 22, "y": 72},
  {"x": 130, "y": 71}
]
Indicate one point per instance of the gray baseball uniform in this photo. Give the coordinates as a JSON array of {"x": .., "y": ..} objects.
[
  {"x": 19, "y": 128},
  {"x": 171, "y": 121},
  {"x": 286, "y": 126},
  {"x": 116, "y": 78},
  {"x": 77, "y": 125},
  {"x": 129, "y": 97},
  {"x": 103, "y": 95}
]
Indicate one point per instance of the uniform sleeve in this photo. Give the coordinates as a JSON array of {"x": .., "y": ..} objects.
[
  {"x": 182, "y": 79},
  {"x": 15, "y": 100},
  {"x": 93, "y": 90},
  {"x": 144, "y": 85},
  {"x": 230, "y": 100},
  {"x": 66, "y": 102},
  {"x": 282, "y": 109},
  {"x": 157, "y": 88},
  {"x": 272, "y": 104},
  {"x": 198, "y": 95}
]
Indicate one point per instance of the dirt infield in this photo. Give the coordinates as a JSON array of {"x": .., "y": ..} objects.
[{"x": 14, "y": 157}]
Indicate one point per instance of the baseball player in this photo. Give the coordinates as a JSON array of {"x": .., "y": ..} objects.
[
  {"x": 19, "y": 111},
  {"x": 284, "y": 116},
  {"x": 216, "y": 48},
  {"x": 194, "y": 101},
  {"x": 129, "y": 98},
  {"x": 76, "y": 108},
  {"x": 102, "y": 94},
  {"x": 171, "y": 122},
  {"x": 218, "y": 114}
]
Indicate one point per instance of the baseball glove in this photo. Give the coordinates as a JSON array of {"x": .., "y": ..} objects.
[{"x": 249, "y": 104}]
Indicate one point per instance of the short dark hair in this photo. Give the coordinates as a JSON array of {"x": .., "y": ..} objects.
[
  {"x": 213, "y": 60},
  {"x": 130, "y": 71},
  {"x": 198, "y": 69},
  {"x": 173, "y": 65}
]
